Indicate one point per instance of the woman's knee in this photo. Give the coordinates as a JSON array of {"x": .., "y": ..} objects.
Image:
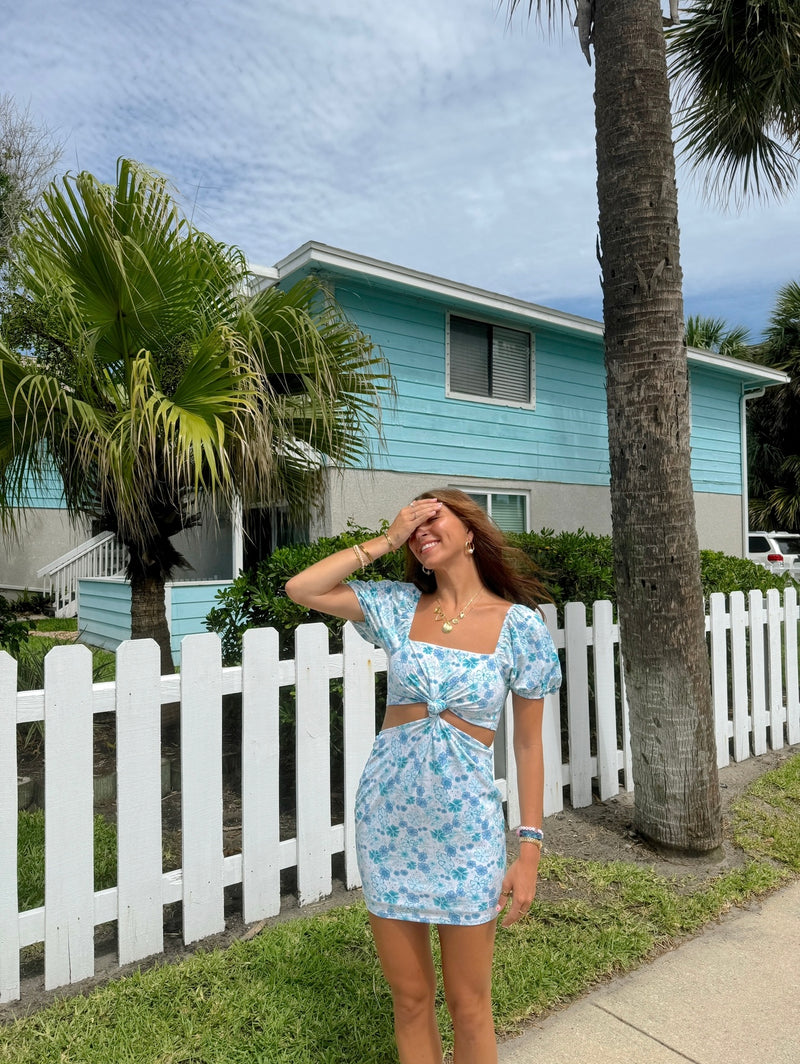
[
  {"x": 469, "y": 1007},
  {"x": 413, "y": 999}
]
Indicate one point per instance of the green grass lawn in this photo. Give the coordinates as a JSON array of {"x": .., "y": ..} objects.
[
  {"x": 30, "y": 662},
  {"x": 30, "y": 851},
  {"x": 55, "y": 624},
  {"x": 310, "y": 991}
]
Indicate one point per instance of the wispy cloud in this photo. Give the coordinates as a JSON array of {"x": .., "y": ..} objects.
[{"x": 425, "y": 133}]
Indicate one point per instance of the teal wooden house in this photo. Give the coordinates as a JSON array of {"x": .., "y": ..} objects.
[
  {"x": 506, "y": 400},
  {"x": 502, "y": 398}
]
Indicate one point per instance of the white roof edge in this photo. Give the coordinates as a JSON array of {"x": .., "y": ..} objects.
[
  {"x": 701, "y": 357},
  {"x": 325, "y": 255},
  {"x": 269, "y": 272}
]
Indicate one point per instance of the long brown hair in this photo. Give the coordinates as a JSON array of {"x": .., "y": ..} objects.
[{"x": 505, "y": 570}]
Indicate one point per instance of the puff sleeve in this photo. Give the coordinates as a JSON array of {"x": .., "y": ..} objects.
[
  {"x": 382, "y": 603},
  {"x": 535, "y": 668}
]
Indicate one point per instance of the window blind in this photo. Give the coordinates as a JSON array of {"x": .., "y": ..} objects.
[{"x": 490, "y": 361}]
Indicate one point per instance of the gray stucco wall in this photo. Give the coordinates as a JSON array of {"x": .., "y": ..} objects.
[
  {"x": 47, "y": 534},
  {"x": 208, "y": 549},
  {"x": 368, "y": 497},
  {"x": 44, "y": 535}
]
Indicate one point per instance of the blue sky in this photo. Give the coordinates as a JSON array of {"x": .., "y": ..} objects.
[{"x": 426, "y": 133}]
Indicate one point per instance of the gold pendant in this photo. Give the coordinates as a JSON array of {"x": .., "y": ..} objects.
[{"x": 447, "y": 627}]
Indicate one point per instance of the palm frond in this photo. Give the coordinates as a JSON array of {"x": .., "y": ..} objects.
[
  {"x": 714, "y": 334},
  {"x": 735, "y": 65},
  {"x": 43, "y": 428}
]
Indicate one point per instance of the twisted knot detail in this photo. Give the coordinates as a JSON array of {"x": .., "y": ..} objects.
[{"x": 436, "y": 706}]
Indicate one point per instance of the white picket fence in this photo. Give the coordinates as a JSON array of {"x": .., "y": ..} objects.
[{"x": 753, "y": 646}]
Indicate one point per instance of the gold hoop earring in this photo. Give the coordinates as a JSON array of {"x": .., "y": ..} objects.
[{"x": 469, "y": 547}]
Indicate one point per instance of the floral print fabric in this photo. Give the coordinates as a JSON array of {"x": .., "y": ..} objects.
[{"x": 430, "y": 833}]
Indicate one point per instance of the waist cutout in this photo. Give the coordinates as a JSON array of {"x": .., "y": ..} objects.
[{"x": 406, "y": 713}]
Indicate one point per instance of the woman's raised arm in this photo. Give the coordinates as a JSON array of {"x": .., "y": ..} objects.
[{"x": 320, "y": 587}]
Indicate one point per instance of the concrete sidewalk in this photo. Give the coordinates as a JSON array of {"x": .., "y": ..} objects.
[{"x": 729, "y": 996}]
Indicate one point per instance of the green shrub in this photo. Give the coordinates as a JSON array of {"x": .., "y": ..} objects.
[
  {"x": 28, "y": 601},
  {"x": 30, "y": 663},
  {"x": 13, "y": 633},
  {"x": 257, "y": 598},
  {"x": 575, "y": 566},
  {"x": 722, "y": 572}
]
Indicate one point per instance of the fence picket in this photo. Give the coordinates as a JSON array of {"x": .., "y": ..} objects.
[
  {"x": 551, "y": 742},
  {"x": 261, "y": 868},
  {"x": 741, "y": 715},
  {"x": 580, "y": 755},
  {"x": 201, "y": 787},
  {"x": 313, "y": 764},
  {"x": 718, "y": 647},
  {"x": 9, "y": 895},
  {"x": 359, "y": 733},
  {"x": 790, "y": 622},
  {"x": 68, "y": 817},
  {"x": 140, "y": 927},
  {"x": 627, "y": 756},
  {"x": 777, "y": 713},
  {"x": 758, "y": 677},
  {"x": 605, "y": 699}
]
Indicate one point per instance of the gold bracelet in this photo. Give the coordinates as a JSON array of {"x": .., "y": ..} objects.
[
  {"x": 364, "y": 550},
  {"x": 388, "y": 540},
  {"x": 533, "y": 842},
  {"x": 359, "y": 559}
]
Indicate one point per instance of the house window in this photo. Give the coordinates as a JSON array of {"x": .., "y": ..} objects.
[
  {"x": 489, "y": 362},
  {"x": 266, "y": 530},
  {"x": 509, "y": 512}
]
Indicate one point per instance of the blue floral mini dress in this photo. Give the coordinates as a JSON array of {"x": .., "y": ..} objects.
[{"x": 430, "y": 832}]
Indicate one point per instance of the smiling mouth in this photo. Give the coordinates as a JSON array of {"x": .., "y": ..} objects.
[{"x": 427, "y": 546}]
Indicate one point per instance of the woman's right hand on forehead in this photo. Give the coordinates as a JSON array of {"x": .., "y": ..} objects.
[{"x": 411, "y": 517}]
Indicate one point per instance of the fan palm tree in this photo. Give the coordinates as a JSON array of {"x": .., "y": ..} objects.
[
  {"x": 773, "y": 420},
  {"x": 714, "y": 334},
  {"x": 161, "y": 384},
  {"x": 736, "y": 68},
  {"x": 656, "y": 556}
]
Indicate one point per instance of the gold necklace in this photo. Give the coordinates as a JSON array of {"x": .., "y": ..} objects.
[{"x": 448, "y": 626}]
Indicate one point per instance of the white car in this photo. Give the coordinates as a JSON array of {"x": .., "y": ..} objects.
[{"x": 777, "y": 551}]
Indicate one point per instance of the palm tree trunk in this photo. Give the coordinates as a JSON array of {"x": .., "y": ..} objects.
[
  {"x": 149, "y": 616},
  {"x": 656, "y": 557}
]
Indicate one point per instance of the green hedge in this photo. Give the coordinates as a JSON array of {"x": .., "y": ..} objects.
[
  {"x": 575, "y": 567},
  {"x": 13, "y": 632},
  {"x": 257, "y": 598}
]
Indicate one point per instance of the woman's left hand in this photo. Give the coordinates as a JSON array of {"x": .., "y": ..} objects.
[{"x": 519, "y": 890}]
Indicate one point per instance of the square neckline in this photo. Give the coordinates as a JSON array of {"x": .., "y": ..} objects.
[{"x": 444, "y": 646}]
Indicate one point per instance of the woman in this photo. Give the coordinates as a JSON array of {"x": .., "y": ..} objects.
[{"x": 430, "y": 832}]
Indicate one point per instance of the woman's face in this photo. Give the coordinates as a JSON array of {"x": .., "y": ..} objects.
[{"x": 439, "y": 540}]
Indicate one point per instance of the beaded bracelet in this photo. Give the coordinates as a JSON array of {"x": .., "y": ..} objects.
[
  {"x": 530, "y": 833},
  {"x": 532, "y": 841},
  {"x": 359, "y": 556}
]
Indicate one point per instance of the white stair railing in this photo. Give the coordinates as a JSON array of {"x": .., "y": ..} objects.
[{"x": 102, "y": 555}]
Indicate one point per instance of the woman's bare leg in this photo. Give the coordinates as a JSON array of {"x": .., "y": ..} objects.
[
  {"x": 467, "y": 968},
  {"x": 404, "y": 949}
]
